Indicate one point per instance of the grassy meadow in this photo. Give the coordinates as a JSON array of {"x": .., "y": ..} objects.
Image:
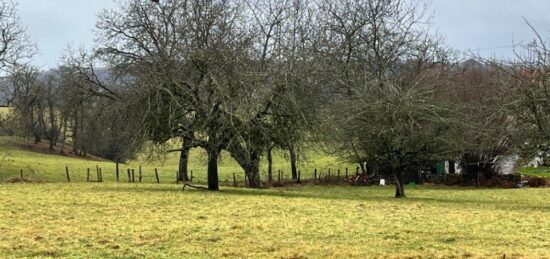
[
  {"x": 540, "y": 171},
  {"x": 15, "y": 156},
  {"x": 52, "y": 218},
  {"x": 99, "y": 220}
]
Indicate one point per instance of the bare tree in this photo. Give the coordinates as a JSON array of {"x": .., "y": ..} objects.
[
  {"x": 26, "y": 99},
  {"x": 384, "y": 67},
  {"x": 209, "y": 71},
  {"x": 526, "y": 79},
  {"x": 282, "y": 109},
  {"x": 488, "y": 130},
  {"x": 179, "y": 54},
  {"x": 14, "y": 42}
]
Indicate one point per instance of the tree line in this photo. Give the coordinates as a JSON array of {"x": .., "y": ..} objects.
[{"x": 368, "y": 78}]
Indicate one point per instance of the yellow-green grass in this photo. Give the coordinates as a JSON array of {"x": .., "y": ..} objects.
[
  {"x": 105, "y": 220},
  {"x": 51, "y": 167},
  {"x": 540, "y": 171},
  {"x": 4, "y": 111}
]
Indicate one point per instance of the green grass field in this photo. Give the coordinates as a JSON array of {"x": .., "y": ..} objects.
[
  {"x": 129, "y": 220},
  {"x": 51, "y": 167},
  {"x": 539, "y": 171},
  {"x": 99, "y": 220}
]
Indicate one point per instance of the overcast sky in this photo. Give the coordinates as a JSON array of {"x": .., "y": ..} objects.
[{"x": 487, "y": 27}]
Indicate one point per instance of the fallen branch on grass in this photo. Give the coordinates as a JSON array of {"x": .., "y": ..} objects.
[{"x": 193, "y": 186}]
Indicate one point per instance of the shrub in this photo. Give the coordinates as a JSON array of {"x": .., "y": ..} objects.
[
  {"x": 503, "y": 181},
  {"x": 453, "y": 179},
  {"x": 534, "y": 181}
]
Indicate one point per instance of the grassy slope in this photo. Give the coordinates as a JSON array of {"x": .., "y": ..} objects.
[
  {"x": 51, "y": 168},
  {"x": 5, "y": 111},
  {"x": 159, "y": 221},
  {"x": 539, "y": 171}
]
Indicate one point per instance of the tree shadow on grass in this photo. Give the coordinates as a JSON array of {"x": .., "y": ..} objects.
[
  {"x": 386, "y": 196},
  {"x": 287, "y": 192},
  {"x": 345, "y": 194},
  {"x": 485, "y": 204},
  {"x": 318, "y": 193}
]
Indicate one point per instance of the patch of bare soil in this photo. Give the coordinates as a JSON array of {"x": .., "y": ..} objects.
[
  {"x": 22, "y": 180},
  {"x": 44, "y": 148}
]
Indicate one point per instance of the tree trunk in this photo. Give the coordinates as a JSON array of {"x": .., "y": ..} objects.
[
  {"x": 75, "y": 133},
  {"x": 399, "y": 185},
  {"x": 249, "y": 160},
  {"x": 253, "y": 174},
  {"x": 84, "y": 137},
  {"x": 51, "y": 144},
  {"x": 183, "y": 174},
  {"x": 53, "y": 131},
  {"x": 213, "y": 155},
  {"x": 269, "y": 165},
  {"x": 419, "y": 178},
  {"x": 33, "y": 127},
  {"x": 252, "y": 171},
  {"x": 293, "y": 159},
  {"x": 363, "y": 169},
  {"x": 62, "y": 151}
]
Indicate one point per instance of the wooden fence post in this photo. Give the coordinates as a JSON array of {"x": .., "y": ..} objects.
[
  {"x": 338, "y": 177},
  {"x": 67, "y": 172},
  {"x": 116, "y": 171},
  {"x": 234, "y": 180},
  {"x": 22, "y": 174},
  {"x": 129, "y": 176},
  {"x": 100, "y": 175},
  {"x": 191, "y": 176},
  {"x": 315, "y": 174},
  {"x": 133, "y": 176},
  {"x": 88, "y": 175},
  {"x": 346, "y": 173},
  {"x": 140, "y": 174},
  {"x": 157, "y": 175}
]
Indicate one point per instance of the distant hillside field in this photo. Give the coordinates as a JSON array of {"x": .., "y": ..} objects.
[
  {"x": 540, "y": 171},
  {"x": 37, "y": 163},
  {"x": 4, "y": 111}
]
